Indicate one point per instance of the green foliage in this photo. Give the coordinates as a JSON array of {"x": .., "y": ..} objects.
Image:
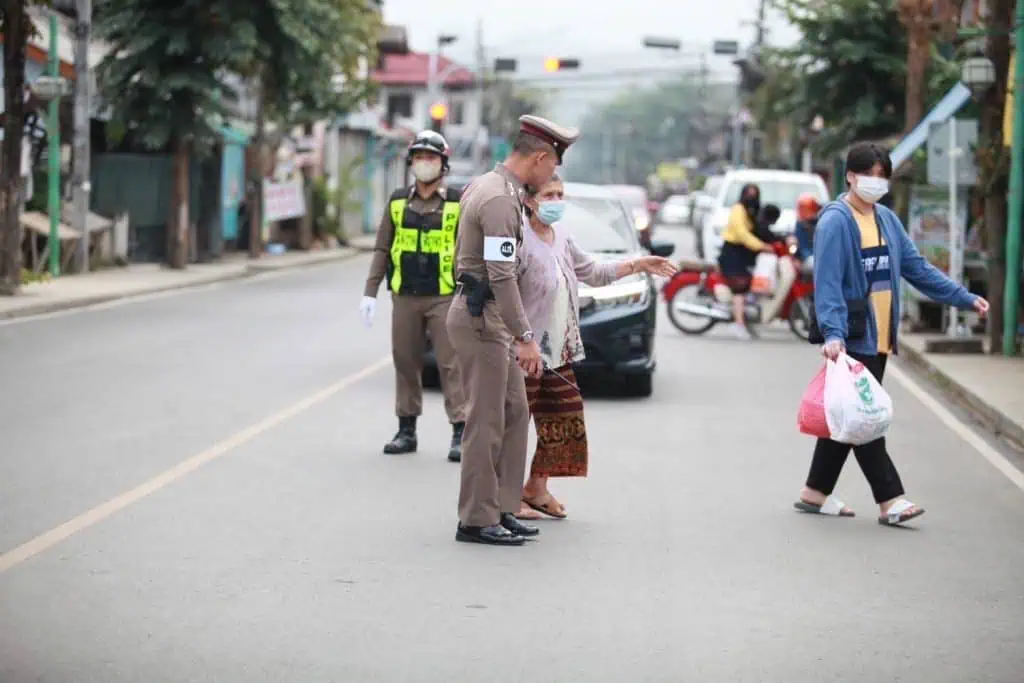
[
  {"x": 663, "y": 122},
  {"x": 309, "y": 55},
  {"x": 161, "y": 78},
  {"x": 330, "y": 207},
  {"x": 165, "y": 79},
  {"x": 850, "y": 66}
]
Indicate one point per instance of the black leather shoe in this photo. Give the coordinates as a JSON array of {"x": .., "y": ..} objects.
[
  {"x": 516, "y": 527},
  {"x": 404, "y": 442},
  {"x": 455, "y": 450},
  {"x": 487, "y": 535}
]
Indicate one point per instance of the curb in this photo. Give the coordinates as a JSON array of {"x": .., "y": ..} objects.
[
  {"x": 248, "y": 271},
  {"x": 988, "y": 416}
]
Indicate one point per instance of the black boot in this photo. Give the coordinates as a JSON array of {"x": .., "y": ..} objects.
[
  {"x": 405, "y": 439},
  {"x": 455, "y": 451}
]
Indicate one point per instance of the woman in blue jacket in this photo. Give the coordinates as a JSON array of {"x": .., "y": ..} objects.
[{"x": 861, "y": 254}]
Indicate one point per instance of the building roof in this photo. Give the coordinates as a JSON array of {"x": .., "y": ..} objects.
[{"x": 413, "y": 68}]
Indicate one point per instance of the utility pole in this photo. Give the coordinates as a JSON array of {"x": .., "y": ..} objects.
[
  {"x": 53, "y": 153},
  {"x": 479, "y": 137},
  {"x": 80, "y": 180},
  {"x": 1011, "y": 296}
]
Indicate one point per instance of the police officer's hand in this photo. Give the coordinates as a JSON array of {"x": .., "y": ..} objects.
[
  {"x": 528, "y": 355},
  {"x": 367, "y": 307}
]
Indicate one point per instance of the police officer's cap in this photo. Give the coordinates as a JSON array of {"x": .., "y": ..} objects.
[{"x": 559, "y": 137}]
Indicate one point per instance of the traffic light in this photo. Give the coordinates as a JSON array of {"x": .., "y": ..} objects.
[
  {"x": 553, "y": 64},
  {"x": 438, "y": 114}
]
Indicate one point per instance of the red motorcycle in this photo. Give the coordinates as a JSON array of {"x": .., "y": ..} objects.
[{"x": 698, "y": 298}]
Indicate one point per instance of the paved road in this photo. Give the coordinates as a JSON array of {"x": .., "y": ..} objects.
[{"x": 287, "y": 548}]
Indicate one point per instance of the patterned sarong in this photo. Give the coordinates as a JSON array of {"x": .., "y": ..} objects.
[{"x": 557, "y": 410}]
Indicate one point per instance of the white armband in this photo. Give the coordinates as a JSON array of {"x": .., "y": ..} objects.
[{"x": 500, "y": 249}]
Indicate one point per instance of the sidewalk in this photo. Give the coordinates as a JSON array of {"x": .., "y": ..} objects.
[
  {"x": 992, "y": 387},
  {"x": 363, "y": 242},
  {"x": 76, "y": 291}
]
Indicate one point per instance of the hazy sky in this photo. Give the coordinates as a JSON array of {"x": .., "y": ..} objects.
[{"x": 607, "y": 37}]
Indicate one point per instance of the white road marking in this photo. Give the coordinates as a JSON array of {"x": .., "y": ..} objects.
[
  {"x": 49, "y": 539},
  {"x": 994, "y": 457}
]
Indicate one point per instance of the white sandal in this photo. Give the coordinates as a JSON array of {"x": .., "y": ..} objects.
[
  {"x": 832, "y": 507},
  {"x": 901, "y": 511}
]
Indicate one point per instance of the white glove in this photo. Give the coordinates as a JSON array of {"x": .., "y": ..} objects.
[{"x": 367, "y": 307}]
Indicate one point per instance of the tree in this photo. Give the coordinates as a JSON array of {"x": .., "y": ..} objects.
[
  {"x": 993, "y": 160},
  {"x": 850, "y": 67},
  {"x": 161, "y": 79},
  {"x": 17, "y": 27}
]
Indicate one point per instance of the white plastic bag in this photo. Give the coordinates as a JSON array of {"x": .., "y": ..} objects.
[
  {"x": 858, "y": 410},
  {"x": 765, "y": 274}
]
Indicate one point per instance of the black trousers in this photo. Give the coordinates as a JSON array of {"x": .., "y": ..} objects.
[{"x": 875, "y": 463}]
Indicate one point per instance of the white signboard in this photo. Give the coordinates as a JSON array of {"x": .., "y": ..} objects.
[{"x": 283, "y": 200}]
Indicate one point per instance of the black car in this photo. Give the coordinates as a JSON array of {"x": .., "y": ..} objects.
[{"x": 617, "y": 322}]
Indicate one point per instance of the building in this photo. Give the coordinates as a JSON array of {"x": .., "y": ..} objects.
[{"x": 404, "y": 99}]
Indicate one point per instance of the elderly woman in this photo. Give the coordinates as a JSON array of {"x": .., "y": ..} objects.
[{"x": 551, "y": 265}]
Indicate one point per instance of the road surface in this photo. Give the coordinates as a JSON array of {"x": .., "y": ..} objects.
[{"x": 192, "y": 489}]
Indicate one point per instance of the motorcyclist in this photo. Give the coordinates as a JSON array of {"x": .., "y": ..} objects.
[{"x": 807, "y": 209}]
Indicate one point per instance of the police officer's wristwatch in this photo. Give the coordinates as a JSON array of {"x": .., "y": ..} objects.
[{"x": 525, "y": 337}]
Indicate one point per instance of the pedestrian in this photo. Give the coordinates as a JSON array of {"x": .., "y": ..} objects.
[
  {"x": 493, "y": 340},
  {"x": 415, "y": 253},
  {"x": 551, "y": 265},
  {"x": 861, "y": 253},
  {"x": 740, "y": 247}
]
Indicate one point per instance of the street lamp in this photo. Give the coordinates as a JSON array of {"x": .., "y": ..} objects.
[{"x": 978, "y": 73}]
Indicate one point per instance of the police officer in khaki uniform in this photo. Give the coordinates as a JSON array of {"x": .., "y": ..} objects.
[
  {"x": 415, "y": 251},
  {"x": 493, "y": 342}
]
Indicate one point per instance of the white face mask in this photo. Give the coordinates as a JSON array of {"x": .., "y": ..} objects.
[
  {"x": 426, "y": 171},
  {"x": 870, "y": 189}
]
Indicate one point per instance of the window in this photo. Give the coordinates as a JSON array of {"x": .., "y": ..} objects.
[
  {"x": 782, "y": 193},
  {"x": 599, "y": 226},
  {"x": 458, "y": 113},
  {"x": 399, "y": 104}
]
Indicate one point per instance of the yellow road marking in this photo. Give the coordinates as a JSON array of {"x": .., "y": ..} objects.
[{"x": 49, "y": 539}]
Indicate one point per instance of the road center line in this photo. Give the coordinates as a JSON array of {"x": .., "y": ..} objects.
[
  {"x": 994, "y": 457},
  {"x": 47, "y": 540}
]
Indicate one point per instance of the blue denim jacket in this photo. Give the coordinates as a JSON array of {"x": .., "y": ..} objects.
[
  {"x": 804, "y": 239},
  {"x": 839, "y": 274}
]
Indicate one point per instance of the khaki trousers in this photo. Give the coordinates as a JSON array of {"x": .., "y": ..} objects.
[
  {"x": 411, "y": 318},
  {"x": 497, "y": 416}
]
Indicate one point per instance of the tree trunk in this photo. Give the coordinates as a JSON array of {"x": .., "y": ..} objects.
[
  {"x": 178, "y": 223},
  {"x": 16, "y": 24},
  {"x": 256, "y": 196},
  {"x": 918, "y": 56},
  {"x": 994, "y": 166}
]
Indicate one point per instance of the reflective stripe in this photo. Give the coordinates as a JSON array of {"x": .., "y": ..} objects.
[{"x": 412, "y": 240}]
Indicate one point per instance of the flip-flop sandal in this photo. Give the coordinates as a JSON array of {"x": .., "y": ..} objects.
[
  {"x": 832, "y": 507},
  {"x": 529, "y": 515},
  {"x": 901, "y": 511},
  {"x": 549, "y": 506}
]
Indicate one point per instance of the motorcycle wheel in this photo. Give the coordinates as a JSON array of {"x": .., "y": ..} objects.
[
  {"x": 685, "y": 322},
  {"x": 800, "y": 317}
]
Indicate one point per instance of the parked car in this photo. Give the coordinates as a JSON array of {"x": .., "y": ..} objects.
[
  {"x": 781, "y": 188},
  {"x": 702, "y": 201},
  {"x": 675, "y": 210},
  {"x": 639, "y": 205},
  {"x": 617, "y": 322}
]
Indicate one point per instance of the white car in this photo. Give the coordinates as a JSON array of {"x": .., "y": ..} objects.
[
  {"x": 675, "y": 210},
  {"x": 781, "y": 188}
]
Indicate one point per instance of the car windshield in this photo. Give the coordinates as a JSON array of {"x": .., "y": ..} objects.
[
  {"x": 633, "y": 197},
  {"x": 677, "y": 200},
  {"x": 598, "y": 226},
  {"x": 782, "y": 193}
]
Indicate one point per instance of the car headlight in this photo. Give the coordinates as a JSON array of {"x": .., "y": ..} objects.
[
  {"x": 630, "y": 293},
  {"x": 641, "y": 220}
]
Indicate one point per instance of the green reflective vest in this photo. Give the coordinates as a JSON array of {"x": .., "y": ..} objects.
[{"x": 423, "y": 255}]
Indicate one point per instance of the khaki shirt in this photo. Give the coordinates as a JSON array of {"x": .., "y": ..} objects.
[
  {"x": 490, "y": 235},
  {"x": 386, "y": 234}
]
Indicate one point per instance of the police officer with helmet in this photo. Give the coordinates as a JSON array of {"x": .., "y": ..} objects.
[{"x": 415, "y": 255}]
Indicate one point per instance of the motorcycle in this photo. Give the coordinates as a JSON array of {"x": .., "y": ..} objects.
[{"x": 698, "y": 298}]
